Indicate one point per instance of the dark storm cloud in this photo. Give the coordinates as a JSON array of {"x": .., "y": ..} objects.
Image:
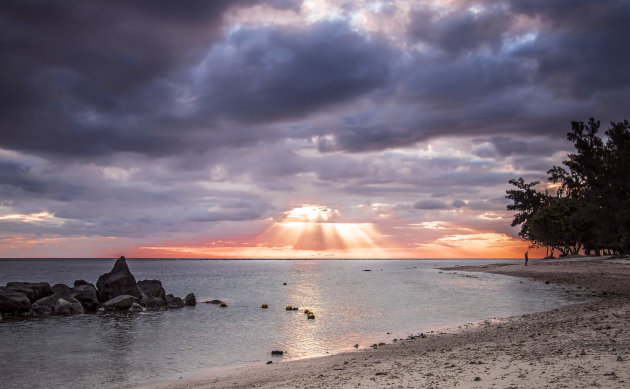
[
  {"x": 81, "y": 78},
  {"x": 260, "y": 75},
  {"x": 527, "y": 67},
  {"x": 462, "y": 30},
  {"x": 431, "y": 204}
]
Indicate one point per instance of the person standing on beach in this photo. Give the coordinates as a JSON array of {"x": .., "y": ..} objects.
[{"x": 526, "y": 257}]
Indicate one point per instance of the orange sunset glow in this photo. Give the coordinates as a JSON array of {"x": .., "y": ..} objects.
[{"x": 310, "y": 231}]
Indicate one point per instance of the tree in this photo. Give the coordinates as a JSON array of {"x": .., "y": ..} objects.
[
  {"x": 526, "y": 202},
  {"x": 592, "y": 206}
]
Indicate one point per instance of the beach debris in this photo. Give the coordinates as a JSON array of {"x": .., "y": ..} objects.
[
  {"x": 295, "y": 308},
  {"x": 223, "y": 305},
  {"x": 284, "y": 283},
  {"x": 311, "y": 316},
  {"x": 356, "y": 345},
  {"x": 277, "y": 352},
  {"x": 367, "y": 270},
  {"x": 264, "y": 306},
  {"x": 380, "y": 373},
  {"x": 289, "y": 308},
  {"x": 269, "y": 362},
  {"x": 477, "y": 378}
]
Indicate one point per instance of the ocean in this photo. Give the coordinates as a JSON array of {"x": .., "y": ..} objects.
[{"x": 355, "y": 302}]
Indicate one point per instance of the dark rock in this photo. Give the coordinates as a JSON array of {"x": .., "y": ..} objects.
[
  {"x": 175, "y": 302},
  {"x": 277, "y": 352},
  {"x": 39, "y": 289},
  {"x": 120, "y": 303},
  {"x": 156, "y": 304},
  {"x": 87, "y": 296},
  {"x": 61, "y": 289},
  {"x": 135, "y": 307},
  {"x": 41, "y": 310},
  {"x": 12, "y": 301},
  {"x": 190, "y": 299},
  {"x": 59, "y": 305},
  {"x": 117, "y": 282},
  {"x": 216, "y": 302},
  {"x": 81, "y": 282},
  {"x": 151, "y": 288}
]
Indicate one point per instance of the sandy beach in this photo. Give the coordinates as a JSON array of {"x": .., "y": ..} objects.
[{"x": 580, "y": 346}]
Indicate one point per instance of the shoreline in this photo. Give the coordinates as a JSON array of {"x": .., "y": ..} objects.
[{"x": 580, "y": 345}]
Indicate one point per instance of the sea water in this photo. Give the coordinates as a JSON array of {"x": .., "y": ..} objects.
[{"x": 355, "y": 302}]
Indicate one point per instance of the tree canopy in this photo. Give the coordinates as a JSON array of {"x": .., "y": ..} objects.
[{"x": 591, "y": 207}]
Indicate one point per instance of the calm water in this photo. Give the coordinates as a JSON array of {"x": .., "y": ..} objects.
[{"x": 399, "y": 297}]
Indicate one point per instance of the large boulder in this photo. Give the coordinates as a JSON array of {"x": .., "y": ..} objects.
[
  {"x": 151, "y": 288},
  {"x": 33, "y": 290},
  {"x": 117, "y": 282},
  {"x": 120, "y": 303},
  {"x": 59, "y": 304},
  {"x": 12, "y": 301},
  {"x": 87, "y": 296},
  {"x": 190, "y": 299}
]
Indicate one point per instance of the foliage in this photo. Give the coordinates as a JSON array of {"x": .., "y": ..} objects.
[{"x": 591, "y": 208}]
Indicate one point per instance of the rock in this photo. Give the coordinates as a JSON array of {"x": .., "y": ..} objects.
[
  {"x": 223, "y": 305},
  {"x": 135, "y": 307},
  {"x": 81, "y": 282},
  {"x": 61, "y": 289},
  {"x": 311, "y": 316},
  {"x": 289, "y": 308},
  {"x": 59, "y": 305},
  {"x": 264, "y": 306},
  {"x": 87, "y": 296},
  {"x": 217, "y": 302},
  {"x": 12, "y": 301},
  {"x": 190, "y": 299},
  {"x": 277, "y": 352},
  {"x": 120, "y": 303},
  {"x": 151, "y": 288},
  {"x": 39, "y": 289},
  {"x": 156, "y": 304},
  {"x": 117, "y": 282},
  {"x": 174, "y": 303},
  {"x": 41, "y": 310}
]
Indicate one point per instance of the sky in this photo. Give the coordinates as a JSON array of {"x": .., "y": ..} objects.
[{"x": 292, "y": 129}]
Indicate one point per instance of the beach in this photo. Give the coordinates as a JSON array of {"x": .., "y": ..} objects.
[{"x": 585, "y": 345}]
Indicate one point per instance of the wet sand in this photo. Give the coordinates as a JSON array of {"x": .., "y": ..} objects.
[{"x": 580, "y": 346}]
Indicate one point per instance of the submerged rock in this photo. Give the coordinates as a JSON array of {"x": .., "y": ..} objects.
[{"x": 117, "y": 282}]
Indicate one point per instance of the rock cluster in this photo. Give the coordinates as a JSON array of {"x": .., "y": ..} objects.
[{"x": 114, "y": 291}]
